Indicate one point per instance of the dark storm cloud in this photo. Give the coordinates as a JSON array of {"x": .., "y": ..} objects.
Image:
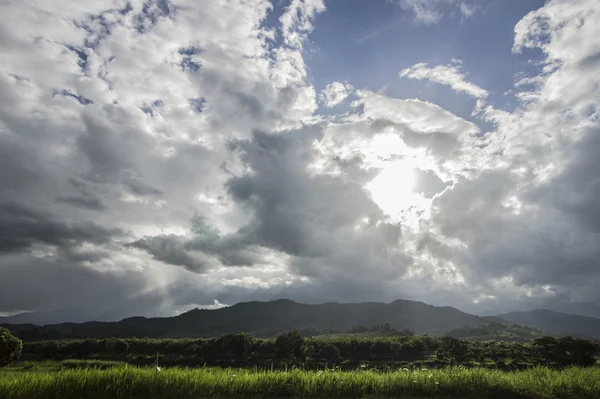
[
  {"x": 72, "y": 292},
  {"x": 551, "y": 237},
  {"x": 313, "y": 217},
  {"x": 172, "y": 249},
  {"x": 84, "y": 197},
  {"x": 576, "y": 189},
  {"x": 292, "y": 210},
  {"x": 85, "y": 201},
  {"x": 202, "y": 250},
  {"x": 139, "y": 187},
  {"x": 21, "y": 227},
  {"x": 18, "y": 170}
]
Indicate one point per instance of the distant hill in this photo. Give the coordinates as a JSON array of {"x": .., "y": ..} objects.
[
  {"x": 557, "y": 323},
  {"x": 496, "y": 331},
  {"x": 73, "y": 315},
  {"x": 265, "y": 319}
]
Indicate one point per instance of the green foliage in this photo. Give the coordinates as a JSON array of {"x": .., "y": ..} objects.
[
  {"x": 329, "y": 353},
  {"x": 495, "y": 331},
  {"x": 289, "y": 346},
  {"x": 234, "y": 346},
  {"x": 567, "y": 350},
  {"x": 132, "y": 382},
  {"x": 352, "y": 351},
  {"x": 381, "y": 330},
  {"x": 454, "y": 349},
  {"x": 10, "y": 347}
]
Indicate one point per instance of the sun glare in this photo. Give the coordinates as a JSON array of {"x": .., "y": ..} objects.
[{"x": 392, "y": 189}]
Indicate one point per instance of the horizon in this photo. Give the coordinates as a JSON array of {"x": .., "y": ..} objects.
[
  {"x": 218, "y": 306},
  {"x": 163, "y": 155}
]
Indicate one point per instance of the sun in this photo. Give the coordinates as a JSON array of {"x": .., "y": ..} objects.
[{"x": 392, "y": 188}]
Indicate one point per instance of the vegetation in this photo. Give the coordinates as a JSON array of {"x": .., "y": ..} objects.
[
  {"x": 10, "y": 347},
  {"x": 496, "y": 331},
  {"x": 345, "y": 351},
  {"x": 556, "y": 323},
  {"x": 355, "y": 365},
  {"x": 130, "y": 382}
]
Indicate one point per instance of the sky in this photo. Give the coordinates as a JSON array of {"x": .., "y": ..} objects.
[{"x": 162, "y": 155}]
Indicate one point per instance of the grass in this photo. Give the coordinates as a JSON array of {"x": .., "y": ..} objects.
[{"x": 132, "y": 382}]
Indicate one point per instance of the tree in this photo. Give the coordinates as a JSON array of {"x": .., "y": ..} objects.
[
  {"x": 236, "y": 346},
  {"x": 567, "y": 350},
  {"x": 329, "y": 352},
  {"x": 454, "y": 349},
  {"x": 381, "y": 349},
  {"x": 289, "y": 345},
  {"x": 10, "y": 347}
]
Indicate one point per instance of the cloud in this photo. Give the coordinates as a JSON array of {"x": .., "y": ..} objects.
[
  {"x": 171, "y": 154},
  {"x": 428, "y": 183},
  {"x": 296, "y": 21},
  {"x": 432, "y": 11},
  {"x": 525, "y": 222},
  {"x": 83, "y": 201},
  {"x": 418, "y": 115},
  {"x": 335, "y": 93},
  {"x": 205, "y": 249},
  {"x": 23, "y": 227},
  {"x": 448, "y": 75},
  {"x": 127, "y": 127}
]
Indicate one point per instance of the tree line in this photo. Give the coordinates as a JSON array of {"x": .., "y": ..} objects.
[{"x": 347, "y": 352}]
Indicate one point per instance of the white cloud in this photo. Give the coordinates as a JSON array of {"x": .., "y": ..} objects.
[
  {"x": 297, "y": 21},
  {"x": 432, "y": 11},
  {"x": 448, "y": 75},
  {"x": 417, "y": 115},
  {"x": 335, "y": 93}
]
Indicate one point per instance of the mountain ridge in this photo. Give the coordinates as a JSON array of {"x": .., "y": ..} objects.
[
  {"x": 268, "y": 318},
  {"x": 556, "y": 323}
]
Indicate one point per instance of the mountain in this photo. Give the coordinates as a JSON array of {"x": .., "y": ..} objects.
[
  {"x": 264, "y": 319},
  {"x": 557, "y": 323},
  {"x": 271, "y": 318},
  {"x": 74, "y": 315}
]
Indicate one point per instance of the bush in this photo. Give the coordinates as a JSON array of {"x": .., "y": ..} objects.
[
  {"x": 289, "y": 345},
  {"x": 329, "y": 352},
  {"x": 381, "y": 349},
  {"x": 10, "y": 347}
]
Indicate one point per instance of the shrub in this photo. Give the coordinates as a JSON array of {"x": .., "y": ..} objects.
[
  {"x": 10, "y": 347},
  {"x": 289, "y": 345},
  {"x": 329, "y": 352}
]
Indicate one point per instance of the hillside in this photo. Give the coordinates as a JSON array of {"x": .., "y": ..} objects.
[
  {"x": 557, "y": 323},
  {"x": 496, "y": 331},
  {"x": 265, "y": 319},
  {"x": 71, "y": 314}
]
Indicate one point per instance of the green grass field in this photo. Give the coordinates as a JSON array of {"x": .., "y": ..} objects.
[{"x": 48, "y": 380}]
